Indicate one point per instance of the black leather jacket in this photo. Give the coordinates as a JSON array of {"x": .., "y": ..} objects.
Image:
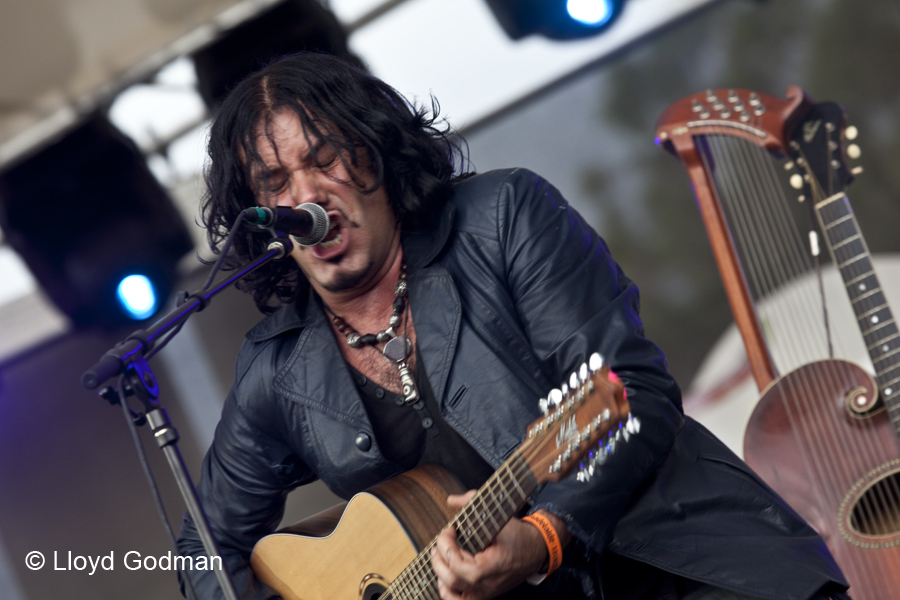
[{"x": 509, "y": 293}]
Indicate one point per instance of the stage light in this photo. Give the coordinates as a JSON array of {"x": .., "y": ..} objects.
[
  {"x": 84, "y": 213},
  {"x": 137, "y": 296},
  {"x": 555, "y": 19},
  {"x": 590, "y": 12}
]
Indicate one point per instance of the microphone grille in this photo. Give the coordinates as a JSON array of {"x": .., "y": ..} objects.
[{"x": 319, "y": 228}]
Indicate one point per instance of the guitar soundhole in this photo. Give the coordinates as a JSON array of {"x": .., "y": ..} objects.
[
  {"x": 372, "y": 587},
  {"x": 877, "y": 512},
  {"x": 375, "y": 592}
]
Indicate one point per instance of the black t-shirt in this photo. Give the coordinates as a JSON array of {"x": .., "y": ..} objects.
[{"x": 412, "y": 435}]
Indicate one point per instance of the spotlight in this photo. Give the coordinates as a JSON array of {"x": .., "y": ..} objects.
[
  {"x": 84, "y": 213},
  {"x": 593, "y": 13},
  {"x": 555, "y": 19},
  {"x": 137, "y": 296}
]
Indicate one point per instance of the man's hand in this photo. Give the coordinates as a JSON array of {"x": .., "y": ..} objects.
[{"x": 516, "y": 553}]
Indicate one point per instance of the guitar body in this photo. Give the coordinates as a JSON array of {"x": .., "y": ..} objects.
[
  {"x": 379, "y": 546},
  {"x": 354, "y": 553},
  {"x": 840, "y": 470}
]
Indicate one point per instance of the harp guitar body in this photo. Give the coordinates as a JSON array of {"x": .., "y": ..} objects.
[{"x": 825, "y": 433}]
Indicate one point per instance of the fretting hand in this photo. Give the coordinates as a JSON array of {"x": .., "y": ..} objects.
[{"x": 516, "y": 553}]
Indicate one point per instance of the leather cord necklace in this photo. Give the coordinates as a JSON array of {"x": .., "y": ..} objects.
[{"x": 397, "y": 348}]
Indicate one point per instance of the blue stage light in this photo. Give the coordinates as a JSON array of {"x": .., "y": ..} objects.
[
  {"x": 137, "y": 296},
  {"x": 556, "y": 19},
  {"x": 593, "y": 13}
]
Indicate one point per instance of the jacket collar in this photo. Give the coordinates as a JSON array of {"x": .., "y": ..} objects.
[{"x": 420, "y": 248}]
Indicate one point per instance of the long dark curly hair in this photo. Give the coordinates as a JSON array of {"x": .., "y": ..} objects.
[{"x": 408, "y": 149}]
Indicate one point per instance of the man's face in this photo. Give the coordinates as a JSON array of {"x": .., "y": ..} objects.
[{"x": 364, "y": 235}]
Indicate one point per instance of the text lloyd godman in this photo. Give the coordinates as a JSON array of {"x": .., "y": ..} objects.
[{"x": 133, "y": 561}]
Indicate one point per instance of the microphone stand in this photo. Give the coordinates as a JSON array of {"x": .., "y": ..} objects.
[{"x": 129, "y": 359}]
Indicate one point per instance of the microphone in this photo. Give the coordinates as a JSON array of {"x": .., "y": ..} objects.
[{"x": 307, "y": 223}]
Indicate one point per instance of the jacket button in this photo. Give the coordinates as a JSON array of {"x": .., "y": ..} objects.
[
  {"x": 427, "y": 422},
  {"x": 363, "y": 441}
]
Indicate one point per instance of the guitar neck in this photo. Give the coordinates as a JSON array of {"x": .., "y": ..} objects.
[
  {"x": 477, "y": 524},
  {"x": 873, "y": 315}
]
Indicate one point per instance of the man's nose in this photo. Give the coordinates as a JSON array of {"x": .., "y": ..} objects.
[
  {"x": 305, "y": 188},
  {"x": 300, "y": 190}
]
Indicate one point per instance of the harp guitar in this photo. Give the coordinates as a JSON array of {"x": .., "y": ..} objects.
[{"x": 824, "y": 434}]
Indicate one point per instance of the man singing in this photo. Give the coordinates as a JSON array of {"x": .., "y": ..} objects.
[{"x": 423, "y": 329}]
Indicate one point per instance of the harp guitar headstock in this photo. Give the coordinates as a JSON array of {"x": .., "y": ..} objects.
[{"x": 760, "y": 118}]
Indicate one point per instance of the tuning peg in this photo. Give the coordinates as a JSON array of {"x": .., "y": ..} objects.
[
  {"x": 857, "y": 170},
  {"x": 595, "y": 362},
  {"x": 789, "y": 165},
  {"x": 796, "y": 181},
  {"x": 851, "y": 132},
  {"x": 583, "y": 372},
  {"x": 544, "y": 404},
  {"x": 574, "y": 382},
  {"x": 565, "y": 390},
  {"x": 599, "y": 457},
  {"x": 853, "y": 151},
  {"x": 633, "y": 423},
  {"x": 555, "y": 396}
]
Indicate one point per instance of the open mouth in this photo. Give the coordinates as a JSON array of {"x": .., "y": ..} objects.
[{"x": 333, "y": 238}]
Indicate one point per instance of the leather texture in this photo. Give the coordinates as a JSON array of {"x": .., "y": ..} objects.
[{"x": 510, "y": 292}]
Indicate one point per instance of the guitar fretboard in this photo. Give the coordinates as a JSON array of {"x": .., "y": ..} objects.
[
  {"x": 876, "y": 323},
  {"x": 496, "y": 502}
]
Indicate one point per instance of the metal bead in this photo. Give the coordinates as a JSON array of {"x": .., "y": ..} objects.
[
  {"x": 353, "y": 340},
  {"x": 400, "y": 290},
  {"x": 382, "y": 336},
  {"x": 394, "y": 321}
]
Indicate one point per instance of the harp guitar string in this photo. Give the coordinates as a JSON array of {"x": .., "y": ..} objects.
[{"x": 782, "y": 282}]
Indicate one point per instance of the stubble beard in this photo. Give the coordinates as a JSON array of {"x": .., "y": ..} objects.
[{"x": 345, "y": 282}]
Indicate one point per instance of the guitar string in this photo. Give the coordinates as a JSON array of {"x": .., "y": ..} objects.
[
  {"x": 802, "y": 404},
  {"x": 751, "y": 254},
  {"x": 774, "y": 230},
  {"x": 754, "y": 236},
  {"x": 422, "y": 567},
  {"x": 419, "y": 571},
  {"x": 815, "y": 387},
  {"x": 781, "y": 264},
  {"x": 742, "y": 229},
  {"x": 767, "y": 162},
  {"x": 775, "y": 215},
  {"x": 888, "y": 492},
  {"x": 776, "y": 250},
  {"x": 872, "y": 452}
]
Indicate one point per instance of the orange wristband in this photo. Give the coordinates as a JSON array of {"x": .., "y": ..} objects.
[{"x": 551, "y": 539}]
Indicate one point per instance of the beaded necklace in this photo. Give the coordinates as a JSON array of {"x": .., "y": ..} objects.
[{"x": 397, "y": 348}]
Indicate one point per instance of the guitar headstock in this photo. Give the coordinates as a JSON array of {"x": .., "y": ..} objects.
[
  {"x": 583, "y": 422},
  {"x": 818, "y": 147}
]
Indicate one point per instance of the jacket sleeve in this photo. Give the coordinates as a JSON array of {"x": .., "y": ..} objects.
[
  {"x": 572, "y": 300},
  {"x": 245, "y": 478}
]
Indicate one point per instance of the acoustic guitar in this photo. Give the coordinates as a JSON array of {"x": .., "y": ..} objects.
[
  {"x": 825, "y": 434},
  {"x": 378, "y": 545}
]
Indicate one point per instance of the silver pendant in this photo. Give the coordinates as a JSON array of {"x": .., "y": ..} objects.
[
  {"x": 408, "y": 384},
  {"x": 398, "y": 349}
]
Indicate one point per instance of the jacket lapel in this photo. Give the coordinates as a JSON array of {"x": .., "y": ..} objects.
[
  {"x": 316, "y": 375},
  {"x": 436, "y": 311}
]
